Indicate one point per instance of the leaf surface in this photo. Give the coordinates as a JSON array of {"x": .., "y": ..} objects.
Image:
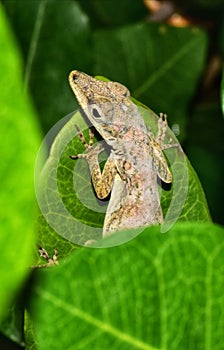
[
  {"x": 155, "y": 292},
  {"x": 19, "y": 143},
  {"x": 70, "y": 206},
  {"x": 160, "y": 64},
  {"x": 53, "y": 38}
]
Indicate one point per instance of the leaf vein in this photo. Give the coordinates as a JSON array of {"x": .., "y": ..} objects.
[
  {"x": 105, "y": 327},
  {"x": 163, "y": 69},
  {"x": 34, "y": 40}
]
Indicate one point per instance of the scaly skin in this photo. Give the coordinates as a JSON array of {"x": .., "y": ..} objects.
[{"x": 136, "y": 157}]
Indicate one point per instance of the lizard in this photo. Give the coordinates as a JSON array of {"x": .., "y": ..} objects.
[{"x": 136, "y": 158}]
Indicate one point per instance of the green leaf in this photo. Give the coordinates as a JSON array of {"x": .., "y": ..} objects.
[
  {"x": 161, "y": 65},
  {"x": 65, "y": 211},
  {"x": 67, "y": 200},
  {"x": 53, "y": 35},
  {"x": 114, "y": 12},
  {"x": 205, "y": 148},
  {"x": 19, "y": 142},
  {"x": 48, "y": 238},
  {"x": 12, "y": 324},
  {"x": 155, "y": 292},
  {"x": 29, "y": 333}
]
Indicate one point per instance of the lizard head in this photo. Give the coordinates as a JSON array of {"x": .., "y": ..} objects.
[
  {"x": 90, "y": 90},
  {"x": 103, "y": 102}
]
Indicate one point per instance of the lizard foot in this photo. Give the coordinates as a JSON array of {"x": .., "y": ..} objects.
[
  {"x": 162, "y": 129},
  {"x": 50, "y": 261},
  {"x": 91, "y": 150}
]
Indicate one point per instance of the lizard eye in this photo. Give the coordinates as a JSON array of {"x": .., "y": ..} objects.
[{"x": 95, "y": 113}]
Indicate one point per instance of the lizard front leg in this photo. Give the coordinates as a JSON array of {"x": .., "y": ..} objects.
[{"x": 102, "y": 181}]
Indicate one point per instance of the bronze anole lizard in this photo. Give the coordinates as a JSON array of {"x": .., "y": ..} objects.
[{"x": 136, "y": 157}]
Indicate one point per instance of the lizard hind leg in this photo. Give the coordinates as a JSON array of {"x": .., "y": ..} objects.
[
  {"x": 50, "y": 261},
  {"x": 162, "y": 128},
  {"x": 161, "y": 133}
]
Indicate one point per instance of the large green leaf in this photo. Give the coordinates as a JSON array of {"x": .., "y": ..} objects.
[
  {"x": 19, "y": 142},
  {"x": 53, "y": 36},
  {"x": 114, "y": 12},
  {"x": 205, "y": 148},
  {"x": 29, "y": 333},
  {"x": 155, "y": 292},
  {"x": 69, "y": 204},
  {"x": 160, "y": 64}
]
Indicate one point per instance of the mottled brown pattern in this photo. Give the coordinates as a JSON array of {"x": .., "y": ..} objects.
[{"x": 136, "y": 157}]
